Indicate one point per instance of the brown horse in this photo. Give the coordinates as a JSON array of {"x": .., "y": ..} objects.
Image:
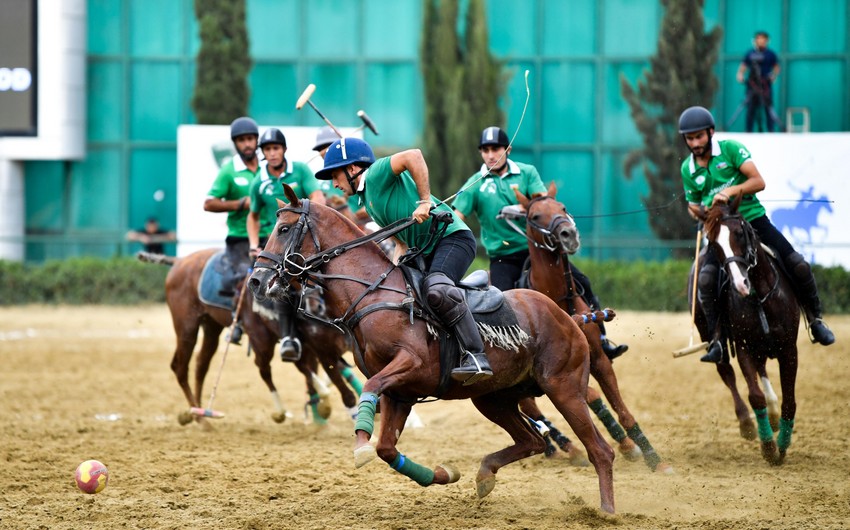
[
  {"x": 761, "y": 320},
  {"x": 553, "y": 236},
  {"x": 189, "y": 315},
  {"x": 402, "y": 358}
]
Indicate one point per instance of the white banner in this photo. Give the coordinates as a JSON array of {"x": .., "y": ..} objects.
[
  {"x": 807, "y": 190},
  {"x": 201, "y": 150}
]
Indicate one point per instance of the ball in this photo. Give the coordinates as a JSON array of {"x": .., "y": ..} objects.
[{"x": 91, "y": 476}]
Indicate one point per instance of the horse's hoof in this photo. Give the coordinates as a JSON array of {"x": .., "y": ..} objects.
[
  {"x": 747, "y": 429},
  {"x": 485, "y": 486},
  {"x": 577, "y": 458},
  {"x": 630, "y": 450},
  {"x": 770, "y": 452},
  {"x": 363, "y": 455},
  {"x": 665, "y": 469},
  {"x": 279, "y": 417},
  {"x": 185, "y": 418},
  {"x": 324, "y": 408},
  {"x": 452, "y": 473}
]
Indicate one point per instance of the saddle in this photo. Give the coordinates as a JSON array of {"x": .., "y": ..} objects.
[{"x": 210, "y": 283}]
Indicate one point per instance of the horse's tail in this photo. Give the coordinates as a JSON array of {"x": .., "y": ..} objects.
[
  {"x": 603, "y": 315},
  {"x": 151, "y": 257}
]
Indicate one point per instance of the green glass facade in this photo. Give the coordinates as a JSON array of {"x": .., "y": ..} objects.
[{"x": 364, "y": 54}]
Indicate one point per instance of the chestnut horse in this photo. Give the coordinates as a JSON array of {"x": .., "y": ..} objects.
[
  {"x": 401, "y": 357},
  {"x": 552, "y": 237},
  {"x": 189, "y": 315},
  {"x": 761, "y": 318}
]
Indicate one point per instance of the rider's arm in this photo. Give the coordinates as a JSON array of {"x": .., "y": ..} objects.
[
  {"x": 751, "y": 186},
  {"x": 399, "y": 249},
  {"x": 252, "y": 224},
  {"x": 413, "y": 162},
  {"x": 318, "y": 197},
  {"x": 742, "y": 69},
  {"x": 215, "y": 204}
]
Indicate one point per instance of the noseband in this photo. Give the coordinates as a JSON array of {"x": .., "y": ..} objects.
[
  {"x": 550, "y": 242},
  {"x": 291, "y": 263}
]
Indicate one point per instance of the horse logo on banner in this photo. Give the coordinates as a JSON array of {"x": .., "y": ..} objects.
[{"x": 800, "y": 223}]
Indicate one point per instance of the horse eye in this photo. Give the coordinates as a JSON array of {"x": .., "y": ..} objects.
[{"x": 284, "y": 229}]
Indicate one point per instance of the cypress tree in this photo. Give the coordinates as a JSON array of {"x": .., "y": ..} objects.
[
  {"x": 223, "y": 63},
  {"x": 681, "y": 74}
]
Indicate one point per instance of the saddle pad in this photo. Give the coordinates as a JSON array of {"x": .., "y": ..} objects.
[{"x": 210, "y": 284}]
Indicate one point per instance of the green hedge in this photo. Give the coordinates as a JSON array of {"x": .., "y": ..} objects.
[{"x": 643, "y": 286}]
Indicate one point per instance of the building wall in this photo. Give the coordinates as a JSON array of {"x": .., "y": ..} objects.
[{"x": 577, "y": 129}]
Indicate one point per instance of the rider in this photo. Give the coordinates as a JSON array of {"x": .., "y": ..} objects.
[
  {"x": 229, "y": 193},
  {"x": 716, "y": 171},
  {"x": 265, "y": 190},
  {"x": 324, "y": 138},
  {"x": 507, "y": 249},
  {"x": 397, "y": 187}
]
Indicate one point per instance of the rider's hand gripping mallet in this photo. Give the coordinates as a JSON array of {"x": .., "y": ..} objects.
[
  {"x": 209, "y": 412},
  {"x": 691, "y": 348},
  {"x": 305, "y": 98}
]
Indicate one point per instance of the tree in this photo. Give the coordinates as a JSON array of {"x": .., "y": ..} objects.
[
  {"x": 462, "y": 85},
  {"x": 221, "y": 85},
  {"x": 681, "y": 75}
]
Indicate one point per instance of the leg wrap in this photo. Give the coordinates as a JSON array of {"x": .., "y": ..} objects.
[
  {"x": 556, "y": 435},
  {"x": 366, "y": 413},
  {"x": 763, "y": 423},
  {"x": 598, "y": 407},
  {"x": 420, "y": 474},
  {"x": 314, "y": 408},
  {"x": 649, "y": 455},
  {"x": 349, "y": 376},
  {"x": 783, "y": 439}
]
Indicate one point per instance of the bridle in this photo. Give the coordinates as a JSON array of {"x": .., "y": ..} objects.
[{"x": 550, "y": 242}]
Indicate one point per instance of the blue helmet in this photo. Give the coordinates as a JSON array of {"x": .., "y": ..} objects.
[{"x": 343, "y": 152}]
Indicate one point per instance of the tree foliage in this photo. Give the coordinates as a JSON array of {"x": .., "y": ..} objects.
[
  {"x": 223, "y": 63},
  {"x": 463, "y": 83},
  {"x": 681, "y": 75}
]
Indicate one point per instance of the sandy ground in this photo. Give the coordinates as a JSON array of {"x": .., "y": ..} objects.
[{"x": 94, "y": 382}]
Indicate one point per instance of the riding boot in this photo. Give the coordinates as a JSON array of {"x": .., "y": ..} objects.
[
  {"x": 290, "y": 345},
  {"x": 611, "y": 350},
  {"x": 707, "y": 293},
  {"x": 235, "y": 335},
  {"x": 807, "y": 292}
]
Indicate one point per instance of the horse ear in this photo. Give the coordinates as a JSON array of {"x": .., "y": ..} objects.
[
  {"x": 523, "y": 200},
  {"x": 553, "y": 189},
  {"x": 293, "y": 199},
  {"x": 736, "y": 203}
]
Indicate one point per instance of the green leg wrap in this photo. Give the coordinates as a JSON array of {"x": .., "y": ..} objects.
[
  {"x": 765, "y": 431},
  {"x": 420, "y": 474},
  {"x": 598, "y": 407},
  {"x": 649, "y": 455},
  {"x": 355, "y": 383},
  {"x": 314, "y": 408},
  {"x": 783, "y": 440},
  {"x": 366, "y": 413}
]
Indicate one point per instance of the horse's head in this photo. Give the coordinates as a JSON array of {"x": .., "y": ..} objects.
[
  {"x": 549, "y": 225},
  {"x": 734, "y": 241}
]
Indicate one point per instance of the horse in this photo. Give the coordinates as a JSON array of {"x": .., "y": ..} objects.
[
  {"x": 189, "y": 314},
  {"x": 552, "y": 235},
  {"x": 761, "y": 318},
  {"x": 400, "y": 354}
]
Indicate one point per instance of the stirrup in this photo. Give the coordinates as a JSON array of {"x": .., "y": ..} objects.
[
  {"x": 290, "y": 349},
  {"x": 473, "y": 369},
  {"x": 612, "y": 350},
  {"x": 715, "y": 353}
]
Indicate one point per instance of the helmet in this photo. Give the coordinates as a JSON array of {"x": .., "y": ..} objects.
[
  {"x": 343, "y": 152},
  {"x": 243, "y": 125},
  {"x": 324, "y": 138},
  {"x": 695, "y": 119},
  {"x": 493, "y": 136},
  {"x": 272, "y": 136}
]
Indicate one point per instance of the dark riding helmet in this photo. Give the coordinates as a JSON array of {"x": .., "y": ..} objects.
[
  {"x": 493, "y": 136},
  {"x": 695, "y": 119},
  {"x": 272, "y": 136},
  {"x": 324, "y": 138},
  {"x": 343, "y": 152},
  {"x": 243, "y": 125}
]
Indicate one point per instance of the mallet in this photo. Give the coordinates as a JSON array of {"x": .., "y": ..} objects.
[
  {"x": 691, "y": 348},
  {"x": 305, "y": 98},
  {"x": 367, "y": 122}
]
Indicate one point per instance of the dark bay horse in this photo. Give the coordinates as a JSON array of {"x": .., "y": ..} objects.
[
  {"x": 189, "y": 314},
  {"x": 553, "y": 236},
  {"x": 761, "y": 317},
  {"x": 401, "y": 357}
]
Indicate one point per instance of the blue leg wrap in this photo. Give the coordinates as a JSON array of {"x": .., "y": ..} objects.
[
  {"x": 366, "y": 413},
  {"x": 765, "y": 431},
  {"x": 420, "y": 474},
  {"x": 598, "y": 407},
  {"x": 783, "y": 440},
  {"x": 349, "y": 376}
]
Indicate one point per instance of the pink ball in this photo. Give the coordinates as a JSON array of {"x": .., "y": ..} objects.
[{"x": 91, "y": 476}]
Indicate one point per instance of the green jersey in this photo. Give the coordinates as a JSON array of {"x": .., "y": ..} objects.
[
  {"x": 388, "y": 197},
  {"x": 266, "y": 189},
  {"x": 233, "y": 183},
  {"x": 489, "y": 195},
  {"x": 723, "y": 171}
]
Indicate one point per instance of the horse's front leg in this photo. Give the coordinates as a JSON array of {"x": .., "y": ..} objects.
[
  {"x": 745, "y": 423},
  {"x": 787, "y": 378},
  {"x": 759, "y": 405}
]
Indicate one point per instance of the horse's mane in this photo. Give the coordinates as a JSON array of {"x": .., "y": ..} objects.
[
  {"x": 714, "y": 217},
  {"x": 350, "y": 224}
]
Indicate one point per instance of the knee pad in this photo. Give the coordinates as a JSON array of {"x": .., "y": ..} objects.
[
  {"x": 707, "y": 281},
  {"x": 444, "y": 297},
  {"x": 797, "y": 266}
]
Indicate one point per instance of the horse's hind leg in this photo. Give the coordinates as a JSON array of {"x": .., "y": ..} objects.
[
  {"x": 746, "y": 426},
  {"x": 186, "y": 340},
  {"x": 263, "y": 345},
  {"x": 503, "y": 410},
  {"x": 317, "y": 391},
  {"x": 759, "y": 405},
  {"x": 576, "y": 456},
  {"x": 209, "y": 345},
  {"x": 788, "y": 379},
  {"x": 773, "y": 412}
]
